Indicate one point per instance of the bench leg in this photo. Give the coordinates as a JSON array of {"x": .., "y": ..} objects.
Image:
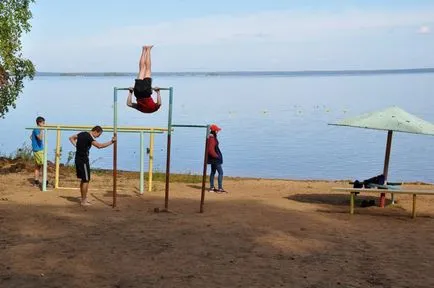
[
  {"x": 382, "y": 200},
  {"x": 413, "y": 212},
  {"x": 352, "y": 203}
]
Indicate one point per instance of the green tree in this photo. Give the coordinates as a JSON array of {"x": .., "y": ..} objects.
[{"x": 14, "y": 20}]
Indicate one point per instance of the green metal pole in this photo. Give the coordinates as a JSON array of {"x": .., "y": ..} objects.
[
  {"x": 44, "y": 172},
  {"x": 142, "y": 164},
  {"x": 115, "y": 145},
  {"x": 151, "y": 161},
  {"x": 169, "y": 143}
]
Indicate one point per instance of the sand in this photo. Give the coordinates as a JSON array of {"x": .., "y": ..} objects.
[{"x": 263, "y": 233}]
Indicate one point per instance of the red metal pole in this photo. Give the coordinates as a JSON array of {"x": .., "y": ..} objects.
[
  {"x": 205, "y": 163},
  {"x": 115, "y": 163}
]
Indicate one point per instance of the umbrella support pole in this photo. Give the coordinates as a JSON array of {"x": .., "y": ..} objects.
[{"x": 386, "y": 165}]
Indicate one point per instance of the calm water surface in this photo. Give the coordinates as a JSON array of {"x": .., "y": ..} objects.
[{"x": 273, "y": 127}]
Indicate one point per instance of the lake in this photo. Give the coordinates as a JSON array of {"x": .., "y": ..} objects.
[{"x": 273, "y": 126}]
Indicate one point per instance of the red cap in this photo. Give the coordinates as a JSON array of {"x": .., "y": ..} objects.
[{"x": 214, "y": 128}]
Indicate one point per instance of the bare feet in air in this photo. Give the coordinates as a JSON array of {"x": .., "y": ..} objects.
[{"x": 148, "y": 46}]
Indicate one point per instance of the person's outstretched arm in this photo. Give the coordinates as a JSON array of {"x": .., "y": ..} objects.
[
  {"x": 157, "y": 90},
  {"x": 103, "y": 145},
  {"x": 73, "y": 140},
  {"x": 130, "y": 99}
]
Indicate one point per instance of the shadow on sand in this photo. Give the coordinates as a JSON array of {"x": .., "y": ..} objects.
[{"x": 235, "y": 243}]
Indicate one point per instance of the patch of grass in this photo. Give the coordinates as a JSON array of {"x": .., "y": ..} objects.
[
  {"x": 24, "y": 152},
  {"x": 183, "y": 178},
  {"x": 156, "y": 176}
]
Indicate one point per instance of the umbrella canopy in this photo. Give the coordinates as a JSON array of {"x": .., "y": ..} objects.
[{"x": 390, "y": 119}]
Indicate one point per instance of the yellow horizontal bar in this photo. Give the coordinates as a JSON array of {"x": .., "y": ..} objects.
[{"x": 106, "y": 127}]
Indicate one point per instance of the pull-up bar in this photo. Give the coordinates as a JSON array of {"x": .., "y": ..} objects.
[
  {"x": 169, "y": 129},
  {"x": 190, "y": 126},
  {"x": 205, "y": 160},
  {"x": 154, "y": 88},
  {"x": 115, "y": 132}
]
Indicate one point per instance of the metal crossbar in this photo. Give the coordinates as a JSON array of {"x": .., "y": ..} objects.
[{"x": 160, "y": 88}]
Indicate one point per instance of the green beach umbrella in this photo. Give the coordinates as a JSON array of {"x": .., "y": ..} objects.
[{"x": 390, "y": 119}]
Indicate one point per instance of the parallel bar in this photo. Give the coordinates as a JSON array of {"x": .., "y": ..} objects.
[
  {"x": 169, "y": 142},
  {"x": 161, "y": 88},
  {"x": 56, "y": 180},
  {"x": 151, "y": 161},
  {"x": 106, "y": 130},
  {"x": 115, "y": 145},
  {"x": 104, "y": 127},
  {"x": 44, "y": 172},
  {"x": 205, "y": 163},
  {"x": 190, "y": 126},
  {"x": 142, "y": 156}
]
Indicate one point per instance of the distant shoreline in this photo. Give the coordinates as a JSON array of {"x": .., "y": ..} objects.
[{"x": 245, "y": 73}]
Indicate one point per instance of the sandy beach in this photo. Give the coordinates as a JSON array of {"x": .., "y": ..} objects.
[{"x": 263, "y": 233}]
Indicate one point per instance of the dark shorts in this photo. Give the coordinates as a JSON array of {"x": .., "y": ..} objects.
[
  {"x": 143, "y": 88},
  {"x": 82, "y": 169}
]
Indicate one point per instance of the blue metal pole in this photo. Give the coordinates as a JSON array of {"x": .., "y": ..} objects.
[
  {"x": 44, "y": 172},
  {"x": 169, "y": 143},
  {"x": 142, "y": 156},
  {"x": 115, "y": 145}
]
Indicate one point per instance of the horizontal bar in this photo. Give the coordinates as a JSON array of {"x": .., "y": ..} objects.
[
  {"x": 106, "y": 129},
  {"x": 125, "y": 89},
  {"x": 189, "y": 126},
  {"x": 77, "y": 188},
  {"x": 90, "y": 189}
]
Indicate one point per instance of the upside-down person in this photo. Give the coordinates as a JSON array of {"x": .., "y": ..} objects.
[{"x": 143, "y": 86}]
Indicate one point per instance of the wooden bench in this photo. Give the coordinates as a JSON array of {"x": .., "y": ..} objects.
[{"x": 354, "y": 191}]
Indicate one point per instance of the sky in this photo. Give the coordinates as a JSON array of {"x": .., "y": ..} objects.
[{"x": 231, "y": 35}]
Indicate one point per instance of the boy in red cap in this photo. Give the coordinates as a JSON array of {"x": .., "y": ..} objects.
[
  {"x": 215, "y": 158},
  {"x": 143, "y": 86}
]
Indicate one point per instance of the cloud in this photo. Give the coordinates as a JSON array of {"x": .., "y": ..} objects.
[
  {"x": 270, "y": 26},
  {"x": 284, "y": 40},
  {"x": 424, "y": 30}
]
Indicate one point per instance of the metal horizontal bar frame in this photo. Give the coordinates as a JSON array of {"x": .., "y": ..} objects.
[
  {"x": 189, "y": 126},
  {"x": 106, "y": 129},
  {"x": 161, "y": 89}
]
